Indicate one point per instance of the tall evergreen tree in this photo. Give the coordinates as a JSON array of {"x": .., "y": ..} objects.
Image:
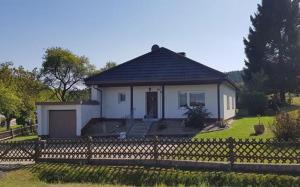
[{"x": 272, "y": 45}]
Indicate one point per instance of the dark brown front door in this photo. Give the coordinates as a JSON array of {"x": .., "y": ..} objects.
[
  {"x": 62, "y": 123},
  {"x": 151, "y": 105}
]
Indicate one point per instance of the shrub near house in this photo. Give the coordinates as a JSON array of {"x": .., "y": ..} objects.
[
  {"x": 196, "y": 116},
  {"x": 286, "y": 126}
]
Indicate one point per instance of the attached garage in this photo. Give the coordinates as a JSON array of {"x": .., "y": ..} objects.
[
  {"x": 65, "y": 119},
  {"x": 62, "y": 123}
]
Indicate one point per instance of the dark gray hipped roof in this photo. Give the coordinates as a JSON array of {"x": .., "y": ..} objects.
[{"x": 160, "y": 66}]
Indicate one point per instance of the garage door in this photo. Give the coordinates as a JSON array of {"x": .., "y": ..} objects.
[{"x": 62, "y": 123}]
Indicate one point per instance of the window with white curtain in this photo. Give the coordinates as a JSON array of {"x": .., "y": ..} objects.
[
  {"x": 197, "y": 99},
  {"x": 191, "y": 99}
]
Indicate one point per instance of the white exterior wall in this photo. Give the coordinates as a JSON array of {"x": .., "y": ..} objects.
[
  {"x": 95, "y": 94},
  {"x": 226, "y": 90},
  {"x": 113, "y": 109},
  {"x": 111, "y": 106},
  {"x": 172, "y": 109},
  {"x": 139, "y": 100},
  {"x": 83, "y": 114},
  {"x": 87, "y": 113}
]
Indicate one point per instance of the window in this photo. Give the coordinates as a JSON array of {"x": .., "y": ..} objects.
[
  {"x": 197, "y": 99},
  {"x": 191, "y": 99},
  {"x": 121, "y": 97},
  {"x": 182, "y": 99},
  {"x": 233, "y": 103},
  {"x": 228, "y": 102}
]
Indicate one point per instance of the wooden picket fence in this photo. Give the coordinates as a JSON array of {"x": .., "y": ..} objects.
[
  {"x": 17, "y": 132},
  {"x": 209, "y": 150}
]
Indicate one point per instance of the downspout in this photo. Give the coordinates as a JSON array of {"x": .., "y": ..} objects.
[
  {"x": 218, "y": 94},
  {"x": 163, "y": 101}
]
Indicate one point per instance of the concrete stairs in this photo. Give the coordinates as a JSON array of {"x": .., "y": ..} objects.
[{"x": 139, "y": 128}]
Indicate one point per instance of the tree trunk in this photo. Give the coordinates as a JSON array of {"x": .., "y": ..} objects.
[
  {"x": 8, "y": 123},
  {"x": 282, "y": 97}
]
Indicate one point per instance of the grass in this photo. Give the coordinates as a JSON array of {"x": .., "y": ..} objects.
[
  {"x": 66, "y": 175},
  {"x": 242, "y": 128},
  {"x": 296, "y": 101},
  {"x": 2, "y": 129},
  {"x": 24, "y": 138},
  {"x": 25, "y": 178}
]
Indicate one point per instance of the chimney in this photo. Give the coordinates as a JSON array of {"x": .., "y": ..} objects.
[
  {"x": 181, "y": 53},
  {"x": 154, "y": 47}
]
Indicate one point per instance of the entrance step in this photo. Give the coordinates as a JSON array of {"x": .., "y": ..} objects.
[{"x": 139, "y": 128}]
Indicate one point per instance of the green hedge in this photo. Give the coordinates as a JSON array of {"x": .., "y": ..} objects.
[{"x": 143, "y": 176}]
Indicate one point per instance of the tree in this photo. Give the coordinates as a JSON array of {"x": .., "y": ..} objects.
[
  {"x": 272, "y": 46},
  {"x": 28, "y": 88},
  {"x": 108, "y": 65},
  {"x": 64, "y": 71},
  {"x": 9, "y": 103},
  {"x": 24, "y": 85}
]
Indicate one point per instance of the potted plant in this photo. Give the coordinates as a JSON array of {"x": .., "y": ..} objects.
[{"x": 259, "y": 128}]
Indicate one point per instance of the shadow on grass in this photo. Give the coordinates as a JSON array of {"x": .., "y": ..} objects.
[{"x": 151, "y": 176}]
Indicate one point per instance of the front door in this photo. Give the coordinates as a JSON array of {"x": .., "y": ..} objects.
[{"x": 151, "y": 105}]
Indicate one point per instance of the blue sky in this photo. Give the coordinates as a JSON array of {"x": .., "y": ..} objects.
[{"x": 209, "y": 31}]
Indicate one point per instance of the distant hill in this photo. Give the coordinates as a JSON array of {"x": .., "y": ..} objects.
[{"x": 236, "y": 77}]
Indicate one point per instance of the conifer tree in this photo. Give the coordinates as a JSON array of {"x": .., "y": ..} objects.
[{"x": 272, "y": 46}]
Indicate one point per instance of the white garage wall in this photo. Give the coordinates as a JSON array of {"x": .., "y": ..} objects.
[
  {"x": 43, "y": 116},
  {"x": 83, "y": 114},
  {"x": 227, "y": 90},
  {"x": 172, "y": 109}
]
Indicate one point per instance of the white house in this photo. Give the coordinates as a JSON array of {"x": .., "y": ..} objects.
[{"x": 156, "y": 85}]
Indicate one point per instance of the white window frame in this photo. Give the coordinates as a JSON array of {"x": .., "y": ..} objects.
[
  {"x": 120, "y": 97},
  {"x": 188, "y": 97},
  {"x": 182, "y": 92},
  {"x": 228, "y": 102},
  {"x": 233, "y": 102}
]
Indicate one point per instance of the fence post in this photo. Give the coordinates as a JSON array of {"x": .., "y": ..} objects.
[
  {"x": 11, "y": 133},
  {"x": 89, "y": 149},
  {"x": 37, "y": 150},
  {"x": 155, "y": 149},
  {"x": 31, "y": 130},
  {"x": 231, "y": 155}
]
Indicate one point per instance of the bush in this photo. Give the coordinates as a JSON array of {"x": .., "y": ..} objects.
[
  {"x": 255, "y": 102},
  {"x": 196, "y": 116},
  {"x": 286, "y": 127},
  {"x": 143, "y": 176},
  {"x": 162, "y": 125}
]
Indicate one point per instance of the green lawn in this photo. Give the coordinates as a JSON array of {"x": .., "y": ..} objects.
[
  {"x": 67, "y": 175},
  {"x": 24, "y": 138},
  {"x": 296, "y": 101},
  {"x": 25, "y": 178},
  {"x": 12, "y": 127},
  {"x": 242, "y": 128}
]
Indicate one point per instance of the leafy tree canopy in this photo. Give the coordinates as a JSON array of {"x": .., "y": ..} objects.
[{"x": 64, "y": 71}]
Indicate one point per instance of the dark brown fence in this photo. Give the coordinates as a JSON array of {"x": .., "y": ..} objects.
[
  {"x": 17, "y": 132},
  {"x": 228, "y": 151}
]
